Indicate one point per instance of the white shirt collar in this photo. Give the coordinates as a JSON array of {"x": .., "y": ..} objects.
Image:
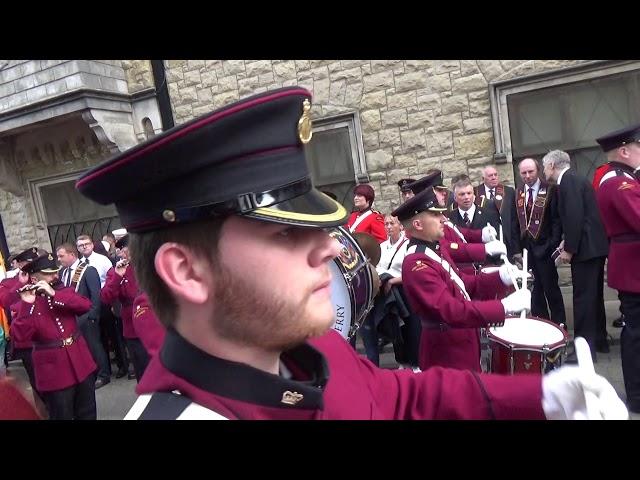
[
  {"x": 561, "y": 174},
  {"x": 535, "y": 187},
  {"x": 469, "y": 212},
  {"x": 75, "y": 264}
]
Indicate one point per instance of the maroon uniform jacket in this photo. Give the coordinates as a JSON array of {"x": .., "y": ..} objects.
[
  {"x": 125, "y": 289},
  {"x": 47, "y": 322},
  {"x": 331, "y": 382},
  {"x": 373, "y": 224},
  {"x": 147, "y": 325},
  {"x": 619, "y": 204},
  {"x": 450, "y": 336},
  {"x": 10, "y": 300},
  {"x": 461, "y": 252}
]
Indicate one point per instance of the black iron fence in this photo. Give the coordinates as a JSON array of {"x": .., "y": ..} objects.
[{"x": 68, "y": 232}]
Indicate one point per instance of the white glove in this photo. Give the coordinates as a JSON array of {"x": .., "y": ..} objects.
[
  {"x": 508, "y": 270},
  {"x": 495, "y": 247},
  {"x": 563, "y": 396},
  {"x": 517, "y": 301},
  {"x": 488, "y": 234}
]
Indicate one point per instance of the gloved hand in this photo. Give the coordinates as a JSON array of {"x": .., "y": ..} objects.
[
  {"x": 488, "y": 234},
  {"x": 563, "y": 396},
  {"x": 517, "y": 301},
  {"x": 508, "y": 270},
  {"x": 495, "y": 247}
]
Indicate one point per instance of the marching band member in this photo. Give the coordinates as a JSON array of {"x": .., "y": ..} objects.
[
  {"x": 618, "y": 199},
  {"x": 64, "y": 368},
  {"x": 441, "y": 293},
  {"x": 121, "y": 285}
]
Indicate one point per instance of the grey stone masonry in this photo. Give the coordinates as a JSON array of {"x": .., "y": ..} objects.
[
  {"x": 414, "y": 114},
  {"x": 23, "y": 83}
]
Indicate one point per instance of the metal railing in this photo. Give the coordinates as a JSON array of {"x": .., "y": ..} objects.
[{"x": 68, "y": 232}]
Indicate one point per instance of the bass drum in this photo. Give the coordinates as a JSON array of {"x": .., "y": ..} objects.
[{"x": 352, "y": 286}]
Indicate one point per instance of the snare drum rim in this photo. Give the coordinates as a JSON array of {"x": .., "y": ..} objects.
[{"x": 535, "y": 348}]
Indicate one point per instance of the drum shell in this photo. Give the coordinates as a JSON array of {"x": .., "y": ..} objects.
[
  {"x": 509, "y": 357},
  {"x": 357, "y": 275}
]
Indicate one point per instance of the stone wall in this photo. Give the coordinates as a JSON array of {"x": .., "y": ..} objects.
[
  {"x": 415, "y": 114},
  {"x": 24, "y": 82},
  {"x": 138, "y": 74},
  {"x": 39, "y": 153}
]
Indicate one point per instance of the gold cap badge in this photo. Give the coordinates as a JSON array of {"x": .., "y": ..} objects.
[
  {"x": 304, "y": 124},
  {"x": 169, "y": 215},
  {"x": 291, "y": 398}
]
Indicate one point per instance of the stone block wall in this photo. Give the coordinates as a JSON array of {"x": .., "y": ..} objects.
[{"x": 415, "y": 114}]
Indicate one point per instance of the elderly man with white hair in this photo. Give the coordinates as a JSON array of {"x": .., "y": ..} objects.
[
  {"x": 585, "y": 248},
  {"x": 491, "y": 192}
]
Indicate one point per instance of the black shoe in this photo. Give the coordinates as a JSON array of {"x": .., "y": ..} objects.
[
  {"x": 121, "y": 373},
  {"x": 101, "y": 382},
  {"x": 603, "y": 348},
  {"x": 131, "y": 376},
  {"x": 618, "y": 322}
]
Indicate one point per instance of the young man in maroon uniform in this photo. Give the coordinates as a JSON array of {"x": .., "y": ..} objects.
[
  {"x": 441, "y": 294},
  {"x": 8, "y": 298},
  {"x": 234, "y": 257},
  {"x": 63, "y": 365},
  {"x": 121, "y": 285},
  {"x": 618, "y": 199}
]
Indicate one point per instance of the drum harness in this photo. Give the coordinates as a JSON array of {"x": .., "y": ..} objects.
[{"x": 446, "y": 266}]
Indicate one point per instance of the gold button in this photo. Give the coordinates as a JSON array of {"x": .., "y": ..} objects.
[{"x": 169, "y": 215}]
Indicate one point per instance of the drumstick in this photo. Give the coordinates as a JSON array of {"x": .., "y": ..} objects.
[
  {"x": 585, "y": 362},
  {"x": 524, "y": 277}
]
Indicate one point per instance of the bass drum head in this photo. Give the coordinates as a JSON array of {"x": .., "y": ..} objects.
[{"x": 341, "y": 298}]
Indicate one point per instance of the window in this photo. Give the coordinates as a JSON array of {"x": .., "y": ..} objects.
[
  {"x": 565, "y": 110},
  {"x": 336, "y": 156},
  {"x": 67, "y": 213}
]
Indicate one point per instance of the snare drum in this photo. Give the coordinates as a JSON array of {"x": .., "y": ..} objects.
[
  {"x": 526, "y": 345},
  {"x": 352, "y": 286}
]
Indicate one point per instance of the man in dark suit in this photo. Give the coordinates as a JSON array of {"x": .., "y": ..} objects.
[
  {"x": 86, "y": 281},
  {"x": 493, "y": 194},
  {"x": 540, "y": 232},
  {"x": 466, "y": 213},
  {"x": 585, "y": 247}
]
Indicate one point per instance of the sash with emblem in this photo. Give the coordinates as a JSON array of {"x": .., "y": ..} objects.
[
  {"x": 533, "y": 223},
  {"x": 77, "y": 275}
]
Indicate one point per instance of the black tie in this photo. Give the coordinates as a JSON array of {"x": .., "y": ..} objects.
[
  {"x": 491, "y": 193},
  {"x": 465, "y": 217},
  {"x": 67, "y": 277},
  {"x": 530, "y": 202},
  {"x": 86, "y": 260}
]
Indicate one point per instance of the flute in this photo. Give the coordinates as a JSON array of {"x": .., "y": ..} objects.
[{"x": 122, "y": 263}]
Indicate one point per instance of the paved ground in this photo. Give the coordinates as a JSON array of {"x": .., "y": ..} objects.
[{"x": 115, "y": 399}]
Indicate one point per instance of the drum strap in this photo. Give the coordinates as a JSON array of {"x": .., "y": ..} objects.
[
  {"x": 169, "y": 406},
  {"x": 352, "y": 228},
  {"x": 455, "y": 229},
  {"x": 443, "y": 263}
]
